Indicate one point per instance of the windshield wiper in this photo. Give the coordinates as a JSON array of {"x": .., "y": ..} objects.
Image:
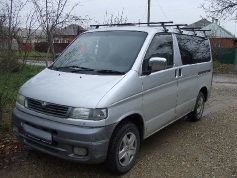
[
  {"x": 78, "y": 69},
  {"x": 74, "y": 68},
  {"x": 64, "y": 67},
  {"x": 110, "y": 71}
]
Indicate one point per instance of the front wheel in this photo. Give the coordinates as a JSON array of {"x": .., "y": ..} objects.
[
  {"x": 196, "y": 114},
  {"x": 123, "y": 148}
]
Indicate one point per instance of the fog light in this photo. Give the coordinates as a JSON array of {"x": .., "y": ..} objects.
[
  {"x": 80, "y": 151},
  {"x": 15, "y": 129}
]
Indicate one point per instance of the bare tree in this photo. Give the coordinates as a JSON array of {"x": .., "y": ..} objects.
[
  {"x": 115, "y": 19},
  {"x": 222, "y": 9},
  {"x": 10, "y": 41},
  {"x": 52, "y": 14}
]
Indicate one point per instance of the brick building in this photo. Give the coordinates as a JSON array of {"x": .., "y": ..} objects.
[{"x": 223, "y": 43}]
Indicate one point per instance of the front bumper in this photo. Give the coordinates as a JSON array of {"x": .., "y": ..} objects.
[{"x": 64, "y": 138}]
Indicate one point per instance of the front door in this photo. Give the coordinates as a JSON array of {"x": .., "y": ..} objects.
[{"x": 159, "y": 87}]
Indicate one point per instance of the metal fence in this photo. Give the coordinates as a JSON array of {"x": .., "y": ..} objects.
[{"x": 229, "y": 56}]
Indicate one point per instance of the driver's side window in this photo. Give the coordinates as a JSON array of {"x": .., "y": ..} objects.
[{"x": 161, "y": 46}]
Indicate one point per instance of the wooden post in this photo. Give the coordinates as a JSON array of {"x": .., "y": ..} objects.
[{"x": 148, "y": 11}]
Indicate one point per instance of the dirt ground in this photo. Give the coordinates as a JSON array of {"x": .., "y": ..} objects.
[{"x": 207, "y": 148}]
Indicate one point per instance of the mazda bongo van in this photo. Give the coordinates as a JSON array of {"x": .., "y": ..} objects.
[{"x": 110, "y": 89}]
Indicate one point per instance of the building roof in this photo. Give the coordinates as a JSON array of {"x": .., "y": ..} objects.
[
  {"x": 70, "y": 30},
  {"x": 201, "y": 23},
  {"x": 216, "y": 30}
]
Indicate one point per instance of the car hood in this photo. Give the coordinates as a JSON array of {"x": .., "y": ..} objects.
[{"x": 69, "y": 89}]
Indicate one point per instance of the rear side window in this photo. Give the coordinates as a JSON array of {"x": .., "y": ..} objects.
[{"x": 193, "y": 49}]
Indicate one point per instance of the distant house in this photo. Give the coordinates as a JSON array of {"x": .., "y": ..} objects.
[
  {"x": 4, "y": 45},
  {"x": 33, "y": 39},
  {"x": 29, "y": 37},
  {"x": 4, "y": 40},
  {"x": 64, "y": 36},
  {"x": 68, "y": 33},
  {"x": 223, "y": 43},
  {"x": 218, "y": 35}
]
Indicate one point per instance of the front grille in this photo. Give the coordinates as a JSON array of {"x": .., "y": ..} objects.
[{"x": 47, "y": 108}]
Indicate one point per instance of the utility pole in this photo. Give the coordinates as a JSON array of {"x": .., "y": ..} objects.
[{"x": 148, "y": 11}]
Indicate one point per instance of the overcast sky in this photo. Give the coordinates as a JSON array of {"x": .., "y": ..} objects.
[{"x": 182, "y": 11}]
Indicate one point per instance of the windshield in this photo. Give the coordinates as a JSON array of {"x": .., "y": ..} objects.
[{"x": 108, "y": 51}]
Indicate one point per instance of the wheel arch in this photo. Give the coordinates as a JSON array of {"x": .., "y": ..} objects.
[
  {"x": 112, "y": 159},
  {"x": 205, "y": 92},
  {"x": 136, "y": 119}
]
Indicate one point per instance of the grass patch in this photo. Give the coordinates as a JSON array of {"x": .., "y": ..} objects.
[
  {"x": 4, "y": 126},
  {"x": 220, "y": 68},
  {"x": 10, "y": 84},
  {"x": 34, "y": 54}
]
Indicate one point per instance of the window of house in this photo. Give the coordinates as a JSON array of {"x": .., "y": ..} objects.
[
  {"x": 219, "y": 45},
  {"x": 66, "y": 40}
]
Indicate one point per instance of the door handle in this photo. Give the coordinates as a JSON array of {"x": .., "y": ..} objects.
[
  {"x": 180, "y": 72},
  {"x": 176, "y": 73}
]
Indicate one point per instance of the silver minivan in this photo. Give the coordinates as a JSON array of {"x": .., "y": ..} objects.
[{"x": 110, "y": 89}]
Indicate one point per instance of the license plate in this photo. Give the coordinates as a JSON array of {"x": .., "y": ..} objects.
[{"x": 37, "y": 134}]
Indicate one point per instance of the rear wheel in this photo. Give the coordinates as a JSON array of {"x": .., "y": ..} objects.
[
  {"x": 196, "y": 114},
  {"x": 123, "y": 149}
]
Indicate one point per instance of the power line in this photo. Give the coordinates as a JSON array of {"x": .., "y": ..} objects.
[
  {"x": 144, "y": 14},
  {"x": 162, "y": 10}
]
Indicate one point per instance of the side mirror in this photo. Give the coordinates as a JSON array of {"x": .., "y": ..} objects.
[{"x": 157, "y": 64}]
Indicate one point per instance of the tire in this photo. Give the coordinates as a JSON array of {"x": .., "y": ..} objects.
[
  {"x": 123, "y": 148},
  {"x": 196, "y": 114}
]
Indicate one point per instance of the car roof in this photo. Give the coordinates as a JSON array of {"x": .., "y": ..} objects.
[{"x": 151, "y": 29}]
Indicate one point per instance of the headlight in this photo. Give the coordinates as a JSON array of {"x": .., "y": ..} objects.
[
  {"x": 88, "y": 114},
  {"x": 20, "y": 100}
]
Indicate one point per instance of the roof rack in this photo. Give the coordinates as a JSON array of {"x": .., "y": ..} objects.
[
  {"x": 165, "y": 25},
  {"x": 110, "y": 25},
  {"x": 196, "y": 29},
  {"x": 178, "y": 26},
  {"x": 204, "y": 32},
  {"x": 162, "y": 24}
]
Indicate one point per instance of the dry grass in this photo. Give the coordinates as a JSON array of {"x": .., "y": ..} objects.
[{"x": 219, "y": 68}]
